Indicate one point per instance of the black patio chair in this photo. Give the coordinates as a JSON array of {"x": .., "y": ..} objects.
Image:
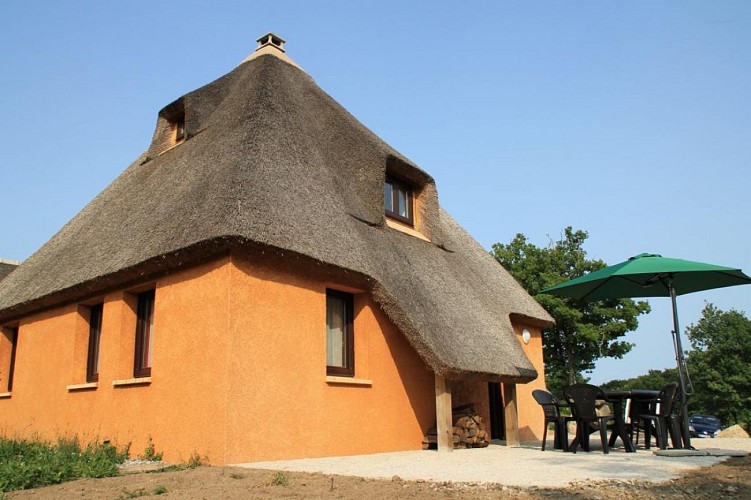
[
  {"x": 658, "y": 422},
  {"x": 583, "y": 401},
  {"x": 638, "y": 406},
  {"x": 674, "y": 421},
  {"x": 552, "y": 408}
]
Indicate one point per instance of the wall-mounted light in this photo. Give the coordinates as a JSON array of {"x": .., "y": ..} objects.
[{"x": 526, "y": 336}]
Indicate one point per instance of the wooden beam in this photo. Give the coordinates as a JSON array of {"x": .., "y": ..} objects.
[
  {"x": 511, "y": 414},
  {"x": 443, "y": 417}
]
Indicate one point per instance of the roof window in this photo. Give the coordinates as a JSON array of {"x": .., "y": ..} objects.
[
  {"x": 178, "y": 126},
  {"x": 398, "y": 200}
]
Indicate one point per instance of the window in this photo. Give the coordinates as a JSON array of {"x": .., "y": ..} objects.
[
  {"x": 144, "y": 334},
  {"x": 397, "y": 200},
  {"x": 11, "y": 341},
  {"x": 179, "y": 127},
  {"x": 95, "y": 333},
  {"x": 340, "y": 341}
]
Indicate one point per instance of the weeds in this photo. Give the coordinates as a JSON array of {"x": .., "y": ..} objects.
[
  {"x": 150, "y": 454},
  {"x": 279, "y": 479},
  {"x": 141, "y": 492},
  {"x": 194, "y": 461},
  {"x": 133, "y": 493},
  {"x": 28, "y": 464}
]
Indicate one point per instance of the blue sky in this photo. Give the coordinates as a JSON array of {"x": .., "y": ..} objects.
[{"x": 630, "y": 120}]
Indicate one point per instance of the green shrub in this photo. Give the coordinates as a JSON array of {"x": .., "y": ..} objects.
[{"x": 31, "y": 463}]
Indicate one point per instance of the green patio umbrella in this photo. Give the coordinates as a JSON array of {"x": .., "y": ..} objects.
[{"x": 652, "y": 275}]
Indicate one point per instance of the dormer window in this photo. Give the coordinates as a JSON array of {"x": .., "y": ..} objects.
[
  {"x": 179, "y": 127},
  {"x": 397, "y": 200},
  {"x": 171, "y": 128}
]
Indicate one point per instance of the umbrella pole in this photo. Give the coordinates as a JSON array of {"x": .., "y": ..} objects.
[{"x": 680, "y": 360}]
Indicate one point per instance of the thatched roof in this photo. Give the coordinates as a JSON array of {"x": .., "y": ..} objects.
[
  {"x": 6, "y": 267},
  {"x": 272, "y": 162}
]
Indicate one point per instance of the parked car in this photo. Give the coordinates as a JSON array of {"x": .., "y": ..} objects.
[{"x": 703, "y": 426}]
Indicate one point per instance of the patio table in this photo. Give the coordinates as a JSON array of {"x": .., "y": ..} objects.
[{"x": 617, "y": 398}]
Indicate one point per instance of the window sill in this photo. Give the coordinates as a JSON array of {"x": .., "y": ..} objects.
[
  {"x": 5, "y": 395},
  {"x": 404, "y": 228},
  {"x": 171, "y": 147},
  {"x": 131, "y": 381},
  {"x": 82, "y": 387},
  {"x": 348, "y": 381}
]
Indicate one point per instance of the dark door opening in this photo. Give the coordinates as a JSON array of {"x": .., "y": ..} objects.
[{"x": 497, "y": 425}]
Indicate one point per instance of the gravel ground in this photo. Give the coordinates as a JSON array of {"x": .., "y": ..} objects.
[{"x": 523, "y": 466}]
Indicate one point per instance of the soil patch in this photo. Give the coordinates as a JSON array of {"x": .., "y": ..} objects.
[{"x": 731, "y": 478}]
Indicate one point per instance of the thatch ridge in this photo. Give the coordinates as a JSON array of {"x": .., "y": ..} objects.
[{"x": 273, "y": 161}]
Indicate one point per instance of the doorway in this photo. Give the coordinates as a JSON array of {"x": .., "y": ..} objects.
[{"x": 497, "y": 424}]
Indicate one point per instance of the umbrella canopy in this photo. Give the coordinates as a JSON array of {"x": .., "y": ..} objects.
[
  {"x": 649, "y": 275},
  {"x": 652, "y": 275}
]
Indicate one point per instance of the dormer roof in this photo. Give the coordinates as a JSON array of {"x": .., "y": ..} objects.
[{"x": 6, "y": 267}]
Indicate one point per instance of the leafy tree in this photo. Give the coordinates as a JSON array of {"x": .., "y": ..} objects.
[
  {"x": 584, "y": 331},
  {"x": 654, "y": 379},
  {"x": 719, "y": 364}
]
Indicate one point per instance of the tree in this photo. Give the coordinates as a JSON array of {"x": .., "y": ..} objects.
[
  {"x": 719, "y": 364},
  {"x": 584, "y": 331},
  {"x": 654, "y": 380}
]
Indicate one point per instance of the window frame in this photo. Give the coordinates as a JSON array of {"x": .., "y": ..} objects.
[
  {"x": 12, "y": 363},
  {"x": 398, "y": 185},
  {"x": 144, "y": 334},
  {"x": 95, "y": 335},
  {"x": 348, "y": 348},
  {"x": 178, "y": 126}
]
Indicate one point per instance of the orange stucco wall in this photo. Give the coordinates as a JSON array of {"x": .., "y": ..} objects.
[
  {"x": 239, "y": 372},
  {"x": 531, "y": 417},
  {"x": 281, "y": 404},
  {"x": 178, "y": 407}
]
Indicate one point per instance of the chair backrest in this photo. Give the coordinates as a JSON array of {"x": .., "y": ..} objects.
[
  {"x": 582, "y": 398},
  {"x": 548, "y": 402},
  {"x": 666, "y": 398}
]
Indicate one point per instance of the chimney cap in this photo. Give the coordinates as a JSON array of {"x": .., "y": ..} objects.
[
  {"x": 270, "y": 39},
  {"x": 271, "y": 45}
]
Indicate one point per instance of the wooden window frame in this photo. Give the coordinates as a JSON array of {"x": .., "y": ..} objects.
[
  {"x": 179, "y": 127},
  {"x": 12, "y": 364},
  {"x": 144, "y": 333},
  {"x": 95, "y": 336},
  {"x": 397, "y": 186},
  {"x": 349, "y": 338}
]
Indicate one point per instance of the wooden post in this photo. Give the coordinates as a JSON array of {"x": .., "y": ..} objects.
[
  {"x": 511, "y": 414},
  {"x": 444, "y": 424}
]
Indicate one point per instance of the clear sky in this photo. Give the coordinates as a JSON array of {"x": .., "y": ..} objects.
[{"x": 629, "y": 120}]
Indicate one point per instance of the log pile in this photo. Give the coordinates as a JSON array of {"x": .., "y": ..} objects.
[{"x": 468, "y": 431}]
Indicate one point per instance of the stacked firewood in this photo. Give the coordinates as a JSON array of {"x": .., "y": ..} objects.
[{"x": 468, "y": 430}]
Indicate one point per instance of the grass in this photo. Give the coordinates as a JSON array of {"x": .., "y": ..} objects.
[
  {"x": 280, "y": 479},
  {"x": 31, "y": 463},
  {"x": 159, "y": 490},
  {"x": 141, "y": 492}
]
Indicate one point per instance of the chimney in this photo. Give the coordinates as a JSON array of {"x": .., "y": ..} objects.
[
  {"x": 270, "y": 40},
  {"x": 271, "y": 45}
]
